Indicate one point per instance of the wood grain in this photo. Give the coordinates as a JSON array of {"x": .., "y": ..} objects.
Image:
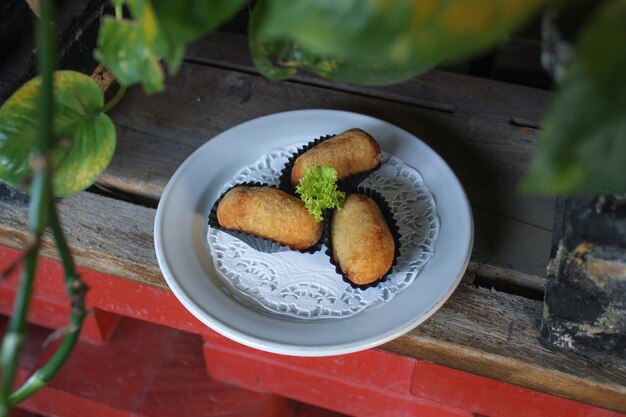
[
  {"x": 155, "y": 136},
  {"x": 472, "y": 98},
  {"x": 485, "y": 332},
  {"x": 104, "y": 234},
  {"x": 495, "y": 334},
  {"x": 440, "y": 90},
  {"x": 479, "y": 127},
  {"x": 210, "y": 100}
]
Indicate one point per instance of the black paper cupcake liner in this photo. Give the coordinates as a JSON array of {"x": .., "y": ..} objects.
[
  {"x": 391, "y": 223},
  {"x": 256, "y": 242},
  {"x": 348, "y": 183}
]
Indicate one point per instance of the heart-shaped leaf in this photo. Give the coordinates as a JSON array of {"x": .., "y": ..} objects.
[
  {"x": 84, "y": 137},
  {"x": 583, "y": 142},
  {"x": 375, "y": 41}
]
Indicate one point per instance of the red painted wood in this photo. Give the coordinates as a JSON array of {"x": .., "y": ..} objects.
[
  {"x": 16, "y": 412},
  {"x": 106, "y": 295},
  {"x": 104, "y": 324},
  {"x": 97, "y": 327},
  {"x": 50, "y": 305},
  {"x": 388, "y": 371},
  {"x": 144, "y": 370},
  {"x": 181, "y": 385},
  {"x": 360, "y": 384},
  {"x": 305, "y": 410},
  {"x": 375, "y": 373},
  {"x": 485, "y": 396},
  {"x": 369, "y": 383}
]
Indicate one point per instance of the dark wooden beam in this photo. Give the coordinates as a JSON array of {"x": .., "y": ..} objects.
[{"x": 585, "y": 297}]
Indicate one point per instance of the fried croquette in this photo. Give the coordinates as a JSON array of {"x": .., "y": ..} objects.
[
  {"x": 351, "y": 152},
  {"x": 362, "y": 244},
  {"x": 271, "y": 214}
]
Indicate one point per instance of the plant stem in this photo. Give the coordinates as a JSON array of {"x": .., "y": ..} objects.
[
  {"x": 46, "y": 42},
  {"x": 76, "y": 290},
  {"x": 14, "y": 338},
  {"x": 116, "y": 99},
  {"x": 119, "y": 15},
  {"x": 41, "y": 192}
]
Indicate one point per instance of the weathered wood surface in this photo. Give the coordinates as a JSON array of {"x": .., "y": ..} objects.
[
  {"x": 482, "y": 101},
  {"x": 468, "y": 121},
  {"x": 485, "y": 332},
  {"x": 106, "y": 235},
  {"x": 588, "y": 268},
  {"x": 489, "y": 154},
  {"x": 439, "y": 90}
]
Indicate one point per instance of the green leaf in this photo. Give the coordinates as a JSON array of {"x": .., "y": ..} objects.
[
  {"x": 84, "y": 136},
  {"x": 185, "y": 21},
  {"x": 263, "y": 50},
  {"x": 161, "y": 29},
  {"x": 318, "y": 189},
  {"x": 379, "y": 41},
  {"x": 583, "y": 143},
  {"x": 122, "y": 49}
]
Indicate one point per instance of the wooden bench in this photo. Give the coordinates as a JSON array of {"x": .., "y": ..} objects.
[{"x": 485, "y": 130}]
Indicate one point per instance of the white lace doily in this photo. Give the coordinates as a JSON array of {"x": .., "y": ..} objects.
[{"x": 306, "y": 286}]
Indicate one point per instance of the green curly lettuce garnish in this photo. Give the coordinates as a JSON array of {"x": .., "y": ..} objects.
[{"x": 318, "y": 189}]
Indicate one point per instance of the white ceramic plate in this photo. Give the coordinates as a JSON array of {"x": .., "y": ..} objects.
[{"x": 182, "y": 251}]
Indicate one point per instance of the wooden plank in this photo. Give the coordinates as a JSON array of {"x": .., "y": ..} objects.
[
  {"x": 104, "y": 234},
  {"x": 442, "y": 90},
  {"x": 533, "y": 283},
  {"x": 360, "y": 389},
  {"x": 132, "y": 375},
  {"x": 157, "y": 133},
  {"x": 493, "y": 101},
  {"x": 496, "y": 335},
  {"x": 485, "y": 332},
  {"x": 218, "y": 93}
]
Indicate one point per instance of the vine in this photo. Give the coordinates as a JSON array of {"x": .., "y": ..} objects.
[
  {"x": 122, "y": 90},
  {"x": 43, "y": 214}
]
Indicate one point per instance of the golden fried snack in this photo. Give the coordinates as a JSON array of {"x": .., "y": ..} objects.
[
  {"x": 363, "y": 246},
  {"x": 351, "y": 152},
  {"x": 269, "y": 213}
]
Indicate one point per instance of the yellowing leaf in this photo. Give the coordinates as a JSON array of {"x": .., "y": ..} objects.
[{"x": 84, "y": 136}]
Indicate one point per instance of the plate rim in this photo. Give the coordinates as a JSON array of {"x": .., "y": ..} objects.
[{"x": 295, "y": 349}]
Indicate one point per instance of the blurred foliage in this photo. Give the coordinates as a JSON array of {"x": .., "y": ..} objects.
[
  {"x": 582, "y": 145},
  {"x": 160, "y": 29},
  {"x": 583, "y": 142},
  {"x": 376, "y": 41}
]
